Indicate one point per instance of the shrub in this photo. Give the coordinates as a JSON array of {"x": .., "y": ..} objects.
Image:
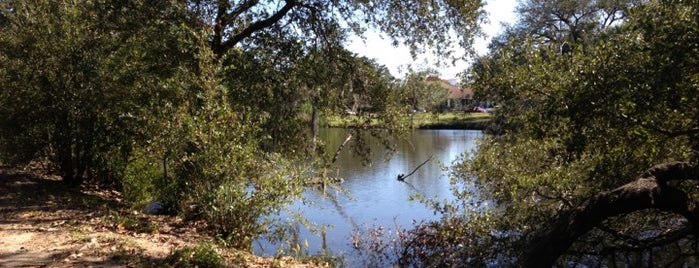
[
  {"x": 140, "y": 178},
  {"x": 218, "y": 172},
  {"x": 204, "y": 255},
  {"x": 132, "y": 223}
]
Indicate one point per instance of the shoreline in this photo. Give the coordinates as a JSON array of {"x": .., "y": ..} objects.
[
  {"x": 45, "y": 223},
  {"x": 454, "y": 121}
]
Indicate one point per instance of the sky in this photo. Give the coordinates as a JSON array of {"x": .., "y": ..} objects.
[{"x": 397, "y": 58}]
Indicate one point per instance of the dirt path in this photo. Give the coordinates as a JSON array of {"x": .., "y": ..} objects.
[{"x": 43, "y": 223}]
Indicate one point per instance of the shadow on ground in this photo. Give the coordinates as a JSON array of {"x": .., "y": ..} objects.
[{"x": 46, "y": 223}]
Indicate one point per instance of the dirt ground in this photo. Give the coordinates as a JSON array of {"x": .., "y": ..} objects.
[{"x": 44, "y": 223}]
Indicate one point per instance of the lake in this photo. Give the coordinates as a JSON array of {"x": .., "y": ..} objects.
[{"x": 375, "y": 197}]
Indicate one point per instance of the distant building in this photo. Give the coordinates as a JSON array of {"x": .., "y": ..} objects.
[{"x": 459, "y": 98}]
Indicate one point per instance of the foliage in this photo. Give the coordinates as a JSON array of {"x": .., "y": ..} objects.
[
  {"x": 451, "y": 120},
  {"x": 421, "y": 24},
  {"x": 220, "y": 173},
  {"x": 419, "y": 93},
  {"x": 569, "y": 20},
  {"x": 575, "y": 123},
  {"x": 80, "y": 90},
  {"x": 284, "y": 99},
  {"x": 285, "y": 60},
  {"x": 127, "y": 221},
  {"x": 203, "y": 255},
  {"x": 141, "y": 179},
  {"x": 112, "y": 102},
  {"x": 202, "y": 105},
  {"x": 451, "y": 242}
]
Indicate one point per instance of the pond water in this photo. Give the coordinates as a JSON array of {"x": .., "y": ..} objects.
[{"x": 375, "y": 197}]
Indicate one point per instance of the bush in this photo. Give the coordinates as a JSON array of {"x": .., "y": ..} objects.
[
  {"x": 204, "y": 255},
  {"x": 234, "y": 190},
  {"x": 140, "y": 178},
  {"x": 217, "y": 171}
]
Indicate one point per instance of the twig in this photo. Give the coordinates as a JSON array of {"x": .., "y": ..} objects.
[{"x": 402, "y": 177}]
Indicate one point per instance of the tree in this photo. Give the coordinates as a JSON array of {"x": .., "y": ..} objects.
[
  {"x": 594, "y": 160},
  {"x": 289, "y": 55},
  {"x": 553, "y": 27},
  {"x": 656, "y": 109},
  {"x": 426, "y": 22},
  {"x": 420, "y": 92},
  {"x": 290, "y": 96},
  {"x": 84, "y": 81},
  {"x": 569, "y": 21},
  {"x": 650, "y": 191}
]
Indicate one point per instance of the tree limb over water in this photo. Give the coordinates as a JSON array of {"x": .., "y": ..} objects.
[{"x": 649, "y": 191}]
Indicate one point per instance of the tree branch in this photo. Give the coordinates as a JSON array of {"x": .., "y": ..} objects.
[
  {"x": 610, "y": 17},
  {"x": 221, "y": 49},
  {"x": 339, "y": 149},
  {"x": 402, "y": 177},
  {"x": 220, "y": 24},
  {"x": 650, "y": 190},
  {"x": 243, "y": 7},
  {"x": 668, "y": 133},
  {"x": 559, "y": 197}
]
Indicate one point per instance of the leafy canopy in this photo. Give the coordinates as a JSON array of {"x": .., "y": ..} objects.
[{"x": 424, "y": 24}]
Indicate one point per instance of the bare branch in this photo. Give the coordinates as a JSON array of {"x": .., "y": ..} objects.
[
  {"x": 402, "y": 177},
  {"x": 339, "y": 149}
]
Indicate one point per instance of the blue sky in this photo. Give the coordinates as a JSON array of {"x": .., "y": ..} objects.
[{"x": 397, "y": 58}]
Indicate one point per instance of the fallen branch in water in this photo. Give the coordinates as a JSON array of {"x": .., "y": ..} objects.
[
  {"x": 339, "y": 149},
  {"x": 402, "y": 177}
]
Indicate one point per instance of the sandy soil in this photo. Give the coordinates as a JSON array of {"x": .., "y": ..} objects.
[{"x": 44, "y": 223}]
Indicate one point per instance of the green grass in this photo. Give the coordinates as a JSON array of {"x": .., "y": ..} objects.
[
  {"x": 454, "y": 120},
  {"x": 451, "y": 120}
]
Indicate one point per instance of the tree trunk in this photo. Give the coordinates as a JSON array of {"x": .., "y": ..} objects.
[{"x": 650, "y": 190}]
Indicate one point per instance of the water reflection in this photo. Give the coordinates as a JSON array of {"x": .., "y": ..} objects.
[{"x": 377, "y": 198}]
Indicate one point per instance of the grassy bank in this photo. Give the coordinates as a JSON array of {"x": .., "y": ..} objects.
[{"x": 456, "y": 120}]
